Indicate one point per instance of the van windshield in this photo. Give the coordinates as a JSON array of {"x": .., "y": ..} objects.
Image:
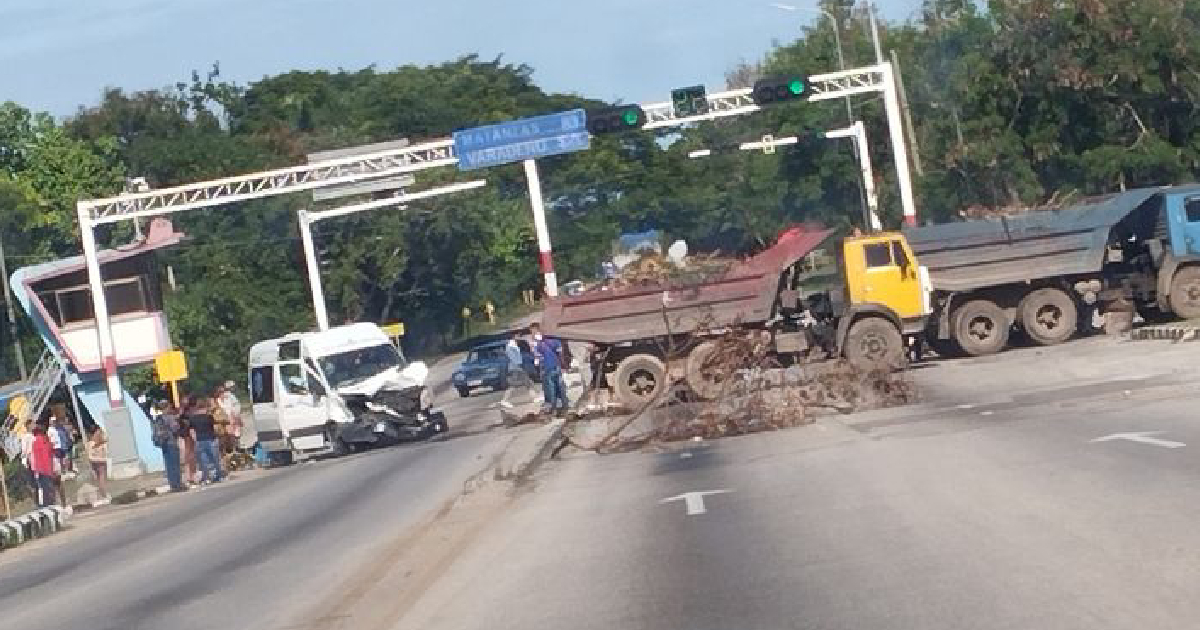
[{"x": 354, "y": 366}]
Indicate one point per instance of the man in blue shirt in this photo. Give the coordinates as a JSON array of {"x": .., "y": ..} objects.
[{"x": 549, "y": 354}]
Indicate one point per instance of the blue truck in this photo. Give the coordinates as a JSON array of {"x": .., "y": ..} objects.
[{"x": 1047, "y": 275}]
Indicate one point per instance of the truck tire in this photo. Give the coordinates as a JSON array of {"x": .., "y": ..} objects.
[
  {"x": 705, "y": 382},
  {"x": 872, "y": 343},
  {"x": 981, "y": 327},
  {"x": 639, "y": 380},
  {"x": 1185, "y": 293},
  {"x": 1049, "y": 316}
]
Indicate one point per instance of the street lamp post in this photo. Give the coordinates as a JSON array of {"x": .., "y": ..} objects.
[
  {"x": 837, "y": 40},
  {"x": 863, "y": 195}
]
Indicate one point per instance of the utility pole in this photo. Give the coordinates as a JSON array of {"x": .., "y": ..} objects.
[
  {"x": 12, "y": 318},
  {"x": 908, "y": 123},
  {"x": 875, "y": 33}
]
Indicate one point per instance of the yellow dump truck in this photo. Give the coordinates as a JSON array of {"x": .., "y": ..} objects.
[{"x": 866, "y": 307}]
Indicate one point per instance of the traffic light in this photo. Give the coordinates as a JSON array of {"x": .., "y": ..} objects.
[
  {"x": 690, "y": 101},
  {"x": 615, "y": 119},
  {"x": 780, "y": 89}
]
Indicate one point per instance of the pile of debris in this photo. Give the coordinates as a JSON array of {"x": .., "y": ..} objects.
[
  {"x": 652, "y": 269},
  {"x": 754, "y": 393}
]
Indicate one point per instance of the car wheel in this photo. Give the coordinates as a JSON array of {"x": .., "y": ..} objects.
[{"x": 464, "y": 392}]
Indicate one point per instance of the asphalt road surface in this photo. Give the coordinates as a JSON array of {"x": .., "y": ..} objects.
[
  {"x": 1047, "y": 489},
  {"x": 1043, "y": 488},
  {"x": 248, "y": 553}
]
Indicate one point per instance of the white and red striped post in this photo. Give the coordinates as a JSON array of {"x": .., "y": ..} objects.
[
  {"x": 545, "y": 255},
  {"x": 108, "y": 350}
]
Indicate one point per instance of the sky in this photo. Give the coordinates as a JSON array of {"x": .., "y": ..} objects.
[{"x": 56, "y": 55}]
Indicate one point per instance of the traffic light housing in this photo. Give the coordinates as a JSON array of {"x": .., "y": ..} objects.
[
  {"x": 780, "y": 89},
  {"x": 690, "y": 101},
  {"x": 615, "y": 119}
]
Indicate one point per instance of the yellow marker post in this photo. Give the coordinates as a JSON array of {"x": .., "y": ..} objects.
[{"x": 171, "y": 367}]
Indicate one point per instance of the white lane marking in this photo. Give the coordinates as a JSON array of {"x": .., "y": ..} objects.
[
  {"x": 1141, "y": 437},
  {"x": 684, "y": 455},
  {"x": 694, "y": 501}
]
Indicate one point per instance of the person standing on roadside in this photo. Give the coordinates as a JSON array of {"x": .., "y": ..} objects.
[
  {"x": 41, "y": 462},
  {"x": 229, "y": 403},
  {"x": 204, "y": 432},
  {"x": 187, "y": 444},
  {"x": 548, "y": 352},
  {"x": 165, "y": 430},
  {"x": 97, "y": 454}
]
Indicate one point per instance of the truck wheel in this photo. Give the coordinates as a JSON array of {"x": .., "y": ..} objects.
[
  {"x": 704, "y": 378},
  {"x": 1185, "y": 293},
  {"x": 1049, "y": 316},
  {"x": 280, "y": 458},
  {"x": 639, "y": 380},
  {"x": 874, "y": 342},
  {"x": 981, "y": 327}
]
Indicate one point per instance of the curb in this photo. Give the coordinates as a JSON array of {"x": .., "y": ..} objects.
[
  {"x": 529, "y": 450},
  {"x": 1166, "y": 333},
  {"x": 36, "y": 524}
]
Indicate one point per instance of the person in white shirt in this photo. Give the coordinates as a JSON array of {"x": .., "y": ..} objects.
[{"x": 229, "y": 403}]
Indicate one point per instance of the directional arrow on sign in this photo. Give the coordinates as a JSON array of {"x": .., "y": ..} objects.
[
  {"x": 1141, "y": 437},
  {"x": 693, "y": 501}
]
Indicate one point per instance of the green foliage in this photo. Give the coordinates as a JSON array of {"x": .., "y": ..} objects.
[{"x": 1012, "y": 105}]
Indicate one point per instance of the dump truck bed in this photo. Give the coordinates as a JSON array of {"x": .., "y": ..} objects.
[
  {"x": 745, "y": 293},
  {"x": 990, "y": 252}
]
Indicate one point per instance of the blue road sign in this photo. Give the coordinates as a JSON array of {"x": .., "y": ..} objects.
[{"x": 524, "y": 139}]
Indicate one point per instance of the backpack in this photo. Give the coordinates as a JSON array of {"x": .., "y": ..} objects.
[{"x": 160, "y": 431}]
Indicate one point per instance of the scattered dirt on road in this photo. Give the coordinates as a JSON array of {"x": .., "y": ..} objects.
[{"x": 765, "y": 398}]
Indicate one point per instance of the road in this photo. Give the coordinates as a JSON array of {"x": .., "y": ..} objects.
[
  {"x": 248, "y": 553},
  {"x": 975, "y": 509},
  {"x": 1042, "y": 488}
]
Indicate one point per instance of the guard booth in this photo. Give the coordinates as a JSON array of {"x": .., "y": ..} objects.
[{"x": 58, "y": 300}]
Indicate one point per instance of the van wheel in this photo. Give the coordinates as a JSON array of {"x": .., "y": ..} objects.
[
  {"x": 981, "y": 327},
  {"x": 872, "y": 343},
  {"x": 639, "y": 380},
  {"x": 280, "y": 458},
  {"x": 1185, "y": 293},
  {"x": 1049, "y": 316},
  {"x": 337, "y": 445}
]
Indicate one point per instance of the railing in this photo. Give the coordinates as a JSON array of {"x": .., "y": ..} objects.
[{"x": 46, "y": 376}]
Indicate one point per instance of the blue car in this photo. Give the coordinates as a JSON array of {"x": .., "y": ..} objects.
[{"x": 486, "y": 365}]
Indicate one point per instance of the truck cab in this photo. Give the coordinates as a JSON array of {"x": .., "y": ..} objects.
[
  {"x": 881, "y": 281},
  {"x": 1179, "y": 276}
]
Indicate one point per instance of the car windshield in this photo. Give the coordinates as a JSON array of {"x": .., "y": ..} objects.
[
  {"x": 355, "y": 366},
  {"x": 486, "y": 355}
]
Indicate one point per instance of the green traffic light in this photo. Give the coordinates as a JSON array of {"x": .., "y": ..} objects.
[
  {"x": 630, "y": 117},
  {"x": 796, "y": 86}
]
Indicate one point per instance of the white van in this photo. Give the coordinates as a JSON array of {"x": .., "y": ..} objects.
[{"x": 336, "y": 391}]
